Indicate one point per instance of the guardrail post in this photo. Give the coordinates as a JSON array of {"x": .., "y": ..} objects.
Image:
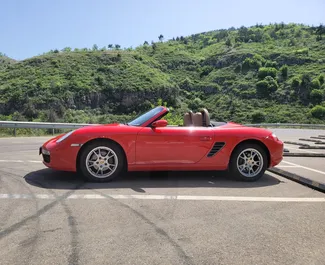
[
  {"x": 15, "y": 133},
  {"x": 52, "y": 131}
]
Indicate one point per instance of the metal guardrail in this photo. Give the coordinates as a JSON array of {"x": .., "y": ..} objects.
[
  {"x": 288, "y": 125},
  {"x": 40, "y": 125},
  {"x": 49, "y": 125}
]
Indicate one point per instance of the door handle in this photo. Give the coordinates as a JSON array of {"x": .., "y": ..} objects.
[{"x": 205, "y": 138}]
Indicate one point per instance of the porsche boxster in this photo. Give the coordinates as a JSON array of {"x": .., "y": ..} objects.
[{"x": 148, "y": 143}]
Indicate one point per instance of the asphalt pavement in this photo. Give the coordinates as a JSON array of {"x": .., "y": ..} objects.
[
  {"x": 53, "y": 217},
  {"x": 307, "y": 170}
]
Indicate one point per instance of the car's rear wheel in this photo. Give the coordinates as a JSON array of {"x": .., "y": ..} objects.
[
  {"x": 248, "y": 162},
  {"x": 101, "y": 161}
]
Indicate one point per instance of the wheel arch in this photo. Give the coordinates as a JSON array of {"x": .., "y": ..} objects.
[
  {"x": 108, "y": 140},
  {"x": 253, "y": 141}
]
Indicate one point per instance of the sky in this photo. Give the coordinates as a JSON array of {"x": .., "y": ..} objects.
[{"x": 32, "y": 27}]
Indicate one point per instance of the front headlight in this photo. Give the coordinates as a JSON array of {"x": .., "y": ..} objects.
[
  {"x": 64, "y": 137},
  {"x": 275, "y": 138}
]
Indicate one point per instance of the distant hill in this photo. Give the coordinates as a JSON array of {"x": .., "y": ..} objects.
[
  {"x": 5, "y": 61},
  {"x": 264, "y": 73}
]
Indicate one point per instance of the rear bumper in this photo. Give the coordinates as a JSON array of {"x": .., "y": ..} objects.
[{"x": 59, "y": 156}]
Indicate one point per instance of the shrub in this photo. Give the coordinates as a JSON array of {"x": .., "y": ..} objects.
[
  {"x": 295, "y": 83},
  {"x": 318, "y": 112},
  {"x": 315, "y": 84},
  {"x": 267, "y": 71},
  {"x": 258, "y": 117},
  {"x": 321, "y": 79}
]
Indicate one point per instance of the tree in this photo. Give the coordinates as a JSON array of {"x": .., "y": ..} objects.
[
  {"x": 316, "y": 96},
  {"x": 186, "y": 84},
  {"x": 304, "y": 88},
  {"x": 284, "y": 71},
  {"x": 110, "y": 46},
  {"x": 320, "y": 31},
  {"x": 66, "y": 49},
  {"x": 29, "y": 111},
  {"x": 253, "y": 63},
  {"x": 228, "y": 42},
  {"x": 145, "y": 43},
  {"x": 117, "y": 46},
  {"x": 196, "y": 104},
  {"x": 95, "y": 47},
  {"x": 321, "y": 79},
  {"x": 17, "y": 116},
  {"x": 161, "y": 37},
  {"x": 266, "y": 87},
  {"x": 154, "y": 46},
  {"x": 51, "y": 116}
]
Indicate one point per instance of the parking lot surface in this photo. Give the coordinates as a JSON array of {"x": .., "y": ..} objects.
[{"x": 51, "y": 217}]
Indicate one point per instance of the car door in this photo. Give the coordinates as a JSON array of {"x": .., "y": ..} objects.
[{"x": 173, "y": 145}]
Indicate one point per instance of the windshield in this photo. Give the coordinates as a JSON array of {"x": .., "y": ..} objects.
[{"x": 146, "y": 116}]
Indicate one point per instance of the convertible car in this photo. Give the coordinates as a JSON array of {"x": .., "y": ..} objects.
[{"x": 103, "y": 152}]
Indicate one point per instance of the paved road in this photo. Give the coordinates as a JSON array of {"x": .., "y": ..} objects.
[
  {"x": 49, "y": 217},
  {"x": 311, "y": 168}
]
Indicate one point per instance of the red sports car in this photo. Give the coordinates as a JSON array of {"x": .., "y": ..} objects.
[{"x": 148, "y": 143}]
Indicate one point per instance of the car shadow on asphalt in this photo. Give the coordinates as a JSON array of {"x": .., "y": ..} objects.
[{"x": 137, "y": 181}]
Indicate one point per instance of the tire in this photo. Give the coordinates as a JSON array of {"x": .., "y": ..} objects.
[
  {"x": 239, "y": 168},
  {"x": 111, "y": 154}
]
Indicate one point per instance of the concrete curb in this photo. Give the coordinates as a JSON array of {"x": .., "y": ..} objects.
[
  {"x": 319, "y": 186},
  {"x": 311, "y": 147},
  {"x": 310, "y": 140},
  {"x": 319, "y": 138},
  {"x": 296, "y": 143},
  {"x": 303, "y": 154}
]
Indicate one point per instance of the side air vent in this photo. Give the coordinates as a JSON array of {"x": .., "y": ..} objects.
[{"x": 216, "y": 148}]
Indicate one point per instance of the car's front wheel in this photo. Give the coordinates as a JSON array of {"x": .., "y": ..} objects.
[
  {"x": 248, "y": 162},
  {"x": 101, "y": 161}
]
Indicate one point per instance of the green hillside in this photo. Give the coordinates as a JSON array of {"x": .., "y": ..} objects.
[{"x": 272, "y": 73}]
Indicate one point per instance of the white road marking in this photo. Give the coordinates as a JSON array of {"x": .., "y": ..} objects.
[
  {"x": 308, "y": 168},
  {"x": 285, "y": 166},
  {"x": 166, "y": 197},
  {"x": 20, "y": 161}
]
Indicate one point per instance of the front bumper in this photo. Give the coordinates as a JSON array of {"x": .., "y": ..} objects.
[
  {"x": 276, "y": 153},
  {"x": 45, "y": 154},
  {"x": 60, "y": 156}
]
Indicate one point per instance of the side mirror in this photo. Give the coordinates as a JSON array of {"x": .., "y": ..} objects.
[{"x": 159, "y": 123}]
